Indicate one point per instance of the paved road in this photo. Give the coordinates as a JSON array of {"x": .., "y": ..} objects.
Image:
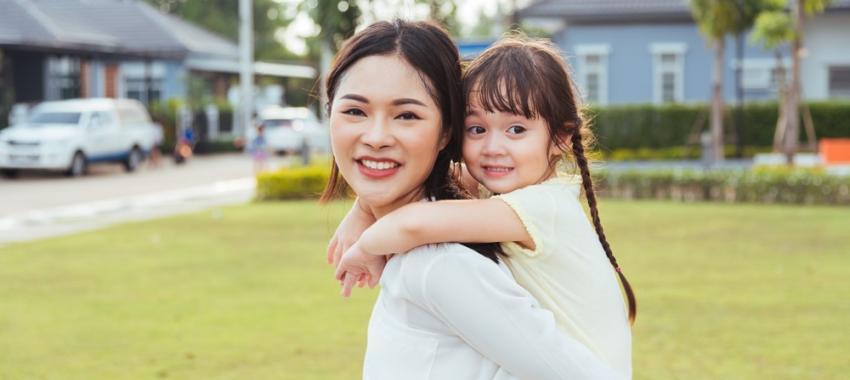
[{"x": 38, "y": 205}]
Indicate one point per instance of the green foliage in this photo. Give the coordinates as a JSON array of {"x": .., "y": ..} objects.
[
  {"x": 337, "y": 21},
  {"x": 674, "y": 153},
  {"x": 222, "y": 17},
  {"x": 762, "y": 185},
  {"x": 648, "y": 126},
  {"x": 444, "y": 12},
  {"x": 292, "y": 183},
  {"x": 773, "y": 29}
]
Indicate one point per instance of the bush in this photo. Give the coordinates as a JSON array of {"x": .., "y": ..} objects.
[
  {"x": 649, "y": 126},
  {"x": 761, "y": 185},
  {"x": 292, "y": 183},
  {"x": 673, "y": 153}
]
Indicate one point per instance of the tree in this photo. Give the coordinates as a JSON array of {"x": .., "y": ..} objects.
[
  {"x": 221, "y": 17},
  {"x": 773, "y": 28},
  {"x": 716, "y": 20},
  {"x": 444, "y": 12}
]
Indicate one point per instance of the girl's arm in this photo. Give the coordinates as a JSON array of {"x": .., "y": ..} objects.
[
  {"x": 465, "y": 221},
  {"x": 357, "y": 220},
  {"x": 420, "y": 223}
]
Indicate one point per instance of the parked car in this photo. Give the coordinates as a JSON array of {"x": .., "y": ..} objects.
[
  {"x": 291, "y": 130},
  {"x": 69, "y": 135}
]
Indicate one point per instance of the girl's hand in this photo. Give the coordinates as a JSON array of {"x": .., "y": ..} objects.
[
  {"x": 349, "y": 230},
  {"x": 356, "y": 266}
]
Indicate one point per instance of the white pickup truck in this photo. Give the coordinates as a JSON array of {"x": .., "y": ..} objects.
[{"x": 69, "y": 135}]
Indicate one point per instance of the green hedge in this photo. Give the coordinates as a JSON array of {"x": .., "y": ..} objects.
[
  {"x": 766, "y": 185},
  {"x": 649, "y": 126},
  {"x": 673, "y": 153},
  {"x": 292, "y": 183}
]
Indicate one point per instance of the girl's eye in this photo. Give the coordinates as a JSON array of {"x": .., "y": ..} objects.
[
  {"x": 354, "y": 112},
  {"x": 516, "y": 129},
  {"x": 475, "y": 130},
  {"x": 408, "y": 116}
]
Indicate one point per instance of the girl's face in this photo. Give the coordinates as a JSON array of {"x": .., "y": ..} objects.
[
  {"x": 504, "y": 151},
  {"x": 385, "y": 132}
]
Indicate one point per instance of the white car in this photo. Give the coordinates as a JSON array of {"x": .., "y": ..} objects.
[
  {"x": 291, "y": 130},
  {"x": 69, "y": 135}
]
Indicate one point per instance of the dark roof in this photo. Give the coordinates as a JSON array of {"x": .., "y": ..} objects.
[
  {"x": 113, "y": 26},
  {"x": 608, "y": 10},
  {"x": 597, "y": 11}
]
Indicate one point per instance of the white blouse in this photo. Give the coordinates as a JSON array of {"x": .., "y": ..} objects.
[{"x": 447, "y": 312}]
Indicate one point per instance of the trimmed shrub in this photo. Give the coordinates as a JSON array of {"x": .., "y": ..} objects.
[
  {"x": 649, "y": 126},
  {"x": 292, "y": 183},
  {"x": 761, "y": 185},
  {"x": 673, "y": 153}
]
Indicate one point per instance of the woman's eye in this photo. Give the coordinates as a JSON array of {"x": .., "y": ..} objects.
[
  {"x": 516, "y": 129},
  {"x": 408, "y": 116},
  {"x": 354, "y": 112},
  {"x": 475, "y": 130}
]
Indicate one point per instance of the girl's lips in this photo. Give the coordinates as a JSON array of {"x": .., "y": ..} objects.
[
  {"x": 496, "y": 171},
  {"x": 377, "y": 168}
]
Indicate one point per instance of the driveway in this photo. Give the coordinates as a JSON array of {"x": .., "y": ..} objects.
[{"x": 38, "y": 205}]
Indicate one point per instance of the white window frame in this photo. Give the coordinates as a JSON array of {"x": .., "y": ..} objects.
[
  {"x": 763, "y": 69},
  {"x": 658, "y": 50},
  {"x": 601, "y": 70}
]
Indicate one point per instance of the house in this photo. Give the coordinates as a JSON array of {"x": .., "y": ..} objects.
[
  {"x": 60, "y": 49},
  {"x": 651, "y": 51}
]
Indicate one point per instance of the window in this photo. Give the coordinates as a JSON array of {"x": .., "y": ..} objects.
[
  {"x": 143, "y": 81},
  {"x": 668, "y": 72},
  {"x": 762, "y": 74},
  {"x": 839, "y": 82},
  {"x": 63, "y": 78},
  {"x": 593, "y": 72}
]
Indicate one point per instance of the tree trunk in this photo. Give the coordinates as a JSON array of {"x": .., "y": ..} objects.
[
  {"x": 739, "y": 97},
  {"x": 792, "y": 133},
  {"x": 717, "y": 100}
]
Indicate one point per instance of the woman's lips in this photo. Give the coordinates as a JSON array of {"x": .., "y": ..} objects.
[
  {"x": 497, "y": 171},
  {"x": 377, "y": 168}
]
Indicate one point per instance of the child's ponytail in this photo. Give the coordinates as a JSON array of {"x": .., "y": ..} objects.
[{"x": 581, "y": 161}]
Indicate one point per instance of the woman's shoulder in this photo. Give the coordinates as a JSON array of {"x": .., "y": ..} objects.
[{"x": 432, "y": 265}]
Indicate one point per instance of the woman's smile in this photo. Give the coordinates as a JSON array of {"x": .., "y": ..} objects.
[{"x": 377, "y": 167}]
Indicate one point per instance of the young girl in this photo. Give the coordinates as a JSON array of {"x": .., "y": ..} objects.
[{"x": 523, "y": 119}]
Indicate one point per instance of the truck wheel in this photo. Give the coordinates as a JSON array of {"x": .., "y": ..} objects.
[
  {"x": 79, "y": 165},
  {"x": 133, "y": 160}
]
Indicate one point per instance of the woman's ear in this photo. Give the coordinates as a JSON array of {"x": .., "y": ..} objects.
[{"x": 444, "y": 141}]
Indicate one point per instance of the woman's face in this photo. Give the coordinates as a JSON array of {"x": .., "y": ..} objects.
[{"x": 385, "y": 132}]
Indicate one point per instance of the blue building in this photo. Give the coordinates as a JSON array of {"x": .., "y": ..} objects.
[{"x": 651, "y": 51}]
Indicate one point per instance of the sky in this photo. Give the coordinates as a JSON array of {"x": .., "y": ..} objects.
[{"x": 468, "y": 13}]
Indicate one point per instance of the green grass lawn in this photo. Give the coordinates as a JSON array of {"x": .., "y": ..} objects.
[{"x": 724, "y": 291}]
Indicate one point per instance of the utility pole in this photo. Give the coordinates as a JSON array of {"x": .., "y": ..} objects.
[{"x": 246, "y": 67}]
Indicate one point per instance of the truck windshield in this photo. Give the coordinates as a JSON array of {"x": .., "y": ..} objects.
[{"x": 41, "y": 118}]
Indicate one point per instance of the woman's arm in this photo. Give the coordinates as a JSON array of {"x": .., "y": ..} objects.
[
  {"x": 465, "y": 221},
  {"x": 500, "y": 319}
]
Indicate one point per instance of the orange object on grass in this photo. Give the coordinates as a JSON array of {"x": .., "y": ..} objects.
[{"x": 835, "y": 151}]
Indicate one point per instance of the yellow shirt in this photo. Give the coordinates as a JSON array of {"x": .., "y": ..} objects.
[{"x": 568, "y": 271}]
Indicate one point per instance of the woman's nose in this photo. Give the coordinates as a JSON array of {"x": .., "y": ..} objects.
[{"x": 378, "y": 136}]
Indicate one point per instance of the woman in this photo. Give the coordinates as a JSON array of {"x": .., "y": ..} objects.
[{"x": 396, "y": 115}]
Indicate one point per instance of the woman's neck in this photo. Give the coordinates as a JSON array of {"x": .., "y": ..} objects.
[{"x": 378, "y": 211}]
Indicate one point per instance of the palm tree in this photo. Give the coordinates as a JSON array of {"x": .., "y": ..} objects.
[
  {"x": 716, "y": 19},
  {"x": 773, "y": 28}
]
